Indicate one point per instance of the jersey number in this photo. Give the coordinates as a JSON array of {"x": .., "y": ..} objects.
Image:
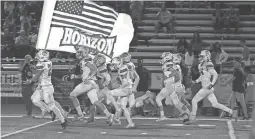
[{"x": 50, "y": 69}]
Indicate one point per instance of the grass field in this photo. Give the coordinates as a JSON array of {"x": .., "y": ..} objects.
[{"x": 17, "y": 127}]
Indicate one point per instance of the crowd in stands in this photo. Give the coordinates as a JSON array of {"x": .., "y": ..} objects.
[{"x": 20, "y": 23}]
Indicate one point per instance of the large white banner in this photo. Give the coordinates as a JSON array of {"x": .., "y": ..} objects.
[{"x": 65, "y": 24}]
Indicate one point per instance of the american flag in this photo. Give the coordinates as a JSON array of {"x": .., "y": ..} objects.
[{"x": 86, "y": 16}]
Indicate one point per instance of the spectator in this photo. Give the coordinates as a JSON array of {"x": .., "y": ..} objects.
[
  {"x": 33, "y": 37},
  {"x": 232, "y": 19},
  {"x": 217, "y": 20},
  {"x": 197, "y": 43},
  {"x": 9, "y": 7},
  {"x": 238, "y": 87},
  {"x": 9, "y": 23},
  {"x": 6, "y": 38},
  {"x": 245, "y": 55},
  {"x": 182, "y": 46},
  {"x": 136, "y": 8},
  {"x": 7, "y": 44},
  {"x": 213, "y": 54},
  {"x": 25, "y": 21},
  {"x": 27, "y": 89},
  {"x": 22, "y": 39},
  {"x": 221, "y": 57},
  {"x": 165, "y": 19},
  {"x": 189, "y": 57},
  {"x": 145, "y": 79}
]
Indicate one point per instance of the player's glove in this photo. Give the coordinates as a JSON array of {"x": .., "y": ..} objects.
[{"x": 210, "y": 86}]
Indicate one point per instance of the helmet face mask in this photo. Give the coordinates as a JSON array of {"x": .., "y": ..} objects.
[
  {"x": 117, "y": 62},
  {"x": 43, "y": 55},
  {"x": 82, "y": 52},
  {"x": 126, "y": 57},
  {"x": 99, "y": 60},
  {"x": 204, "y": 56},
  {"x": 167, "y": 59}
]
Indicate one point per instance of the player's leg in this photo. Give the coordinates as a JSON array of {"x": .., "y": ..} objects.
[
  {"x": 37, "y": 101},
  {"x": 63, "y": 112},
  {"x": 162, "y": 95},
  {"x": 139, "y": 101},
  {"x": 215, "y": 104},
  {"x": 78, "y": 90},
  {"x": 131, "y": 101},
  {"x": 123, "y": 105},
  {"x": 180, "y": 106},
  {"x": 49, "y": 100},
  {"x": 201, "y": 94},
  {"x": 109, "y": 96},
  {"x": 92, "y": 95}
]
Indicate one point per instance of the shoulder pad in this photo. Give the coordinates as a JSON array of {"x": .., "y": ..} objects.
[
  {"x": 103, "y": 69},
  {"x": 40, "y": 66},
  {"x": 209, "y": 65}
]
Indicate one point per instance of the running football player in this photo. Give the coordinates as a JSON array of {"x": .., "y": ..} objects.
[
  {"x": 133, "y": 75},
  {"x": 125, "y": 89},
  {"x": 45, "y": 88},
  {"x": 88, "y": 86},
  {"x": 172, "y": 86},
  {"x": 208, "y": 78}
]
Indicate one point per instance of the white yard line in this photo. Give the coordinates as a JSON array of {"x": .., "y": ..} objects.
[
  {"x": 231, "y": 130},
  {"x": 26, "y": 129},
  {"x": 136, "y": 118}
]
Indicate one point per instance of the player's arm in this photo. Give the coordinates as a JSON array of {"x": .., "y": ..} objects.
[
  {"x": 107, "y": 78},
  {"x": 125, "y": 83},
  {"x": 214, "y": 75},
  {"x": 39, "y": 70},
  {"x": 88, "y": 71},
  {"x": 137, "y": 79}
]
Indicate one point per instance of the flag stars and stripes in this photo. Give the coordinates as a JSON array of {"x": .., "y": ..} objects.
[{"x": 86, "y": 16}]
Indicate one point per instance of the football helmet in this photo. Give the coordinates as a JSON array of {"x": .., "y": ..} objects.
[
  {"x": 204, "y": 56},
  {"x": 117, "y": 62},
  {"x": 177, "y": 58},
  {"x": 126, "y": 57},
  {"x": 99, "y": 60},
  {"x": 167, "y": 58},
  {"x": 166, "y": 54},
  {"x": 42, "y": 55},
  {"x": 82, "y": 52}
]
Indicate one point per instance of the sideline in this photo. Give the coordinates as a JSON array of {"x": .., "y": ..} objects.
[
  {"x": 26, "y": 129},
  {"x": 231, "y": 130}
]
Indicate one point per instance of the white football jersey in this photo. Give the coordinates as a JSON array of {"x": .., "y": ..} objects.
[
  {"x": 123, "y": 73},
  {"x": 205, "y": 74},
  {"x": 45, "y": 77}
]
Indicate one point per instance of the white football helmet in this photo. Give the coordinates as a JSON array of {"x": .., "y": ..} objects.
[
  {"x": 117, "y": 62},
  {"x": 99, "y": 60},
  {"x": 167, "y": 58},
  {"x": 177, "y": 58},
  {"x": 166, "y": 54},
  {"x": 43, "y": 55},
  {"x": 126, "y": 57},
  {"x": 204, "y": 56},
  {"x": 82, "y": 52}
]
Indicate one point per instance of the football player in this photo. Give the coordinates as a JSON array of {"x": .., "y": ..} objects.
[
  {"x": 104, "y": 79},
  {"x": 125, "y": 89},
  {"x": 133, "y": 75},
  {"x": 88, "y": 86},
  {"x": 172, "y": 86},
  {"x": 208, "y": 78},
  {"x": 148, "y": 97},
  {"x": 45, "y": 88}
]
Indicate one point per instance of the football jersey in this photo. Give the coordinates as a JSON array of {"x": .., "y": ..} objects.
[
  {"x": 131, "y": 68},
  {"x": 123, "y": 73},
  {"x": 45, "y": 77},
  {"x": 178, "y": 69},
  {"x": 88, "y": 69},
  {"x": 205, "y": 74},
  {"x": 167, "y": 74},
  {"x": 102, "y": 72}
]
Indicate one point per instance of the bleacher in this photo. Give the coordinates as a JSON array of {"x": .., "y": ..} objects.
[{"x": 186, "y": 23}]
